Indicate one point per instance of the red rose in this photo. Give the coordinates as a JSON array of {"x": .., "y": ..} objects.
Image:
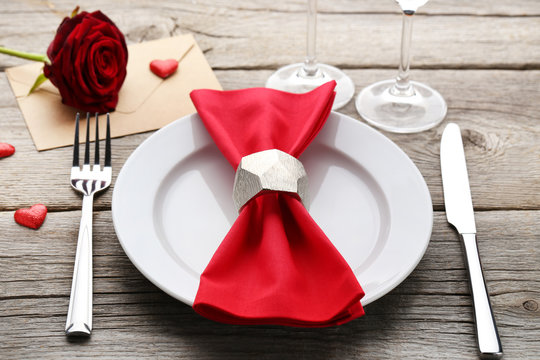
[{"x": 88, "y": 62}]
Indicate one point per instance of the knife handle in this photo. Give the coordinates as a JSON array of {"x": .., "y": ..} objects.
[{"x": 489, "y": 343}]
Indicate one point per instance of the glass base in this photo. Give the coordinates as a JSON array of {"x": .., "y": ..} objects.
[
  {"x": 422, "y": 110},
  {"x": 292, "y": 78}
]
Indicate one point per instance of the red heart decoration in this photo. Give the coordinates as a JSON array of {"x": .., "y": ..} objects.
[
  {"x": 6, "y": 149},
  {"x": 164, "y": 68},
  {"x": 31, "y": 217}
]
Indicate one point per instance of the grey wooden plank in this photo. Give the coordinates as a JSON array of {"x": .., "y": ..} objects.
[
  {"x": 430, "y": 313},
  {"x": 244, "y": 38},
  {"x": 456, "y": 7},
  {"x": 46, "y": 256},
  {"x": 497, "y": 111},
  {"x": 428, "y": 316}
]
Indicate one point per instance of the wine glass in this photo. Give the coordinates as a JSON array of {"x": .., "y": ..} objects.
[
  {"x": 306, "y": 76},
  {"x": 399, "y": 105}
]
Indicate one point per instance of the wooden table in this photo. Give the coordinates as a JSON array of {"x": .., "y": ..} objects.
[{"x": 483, "y": 56}]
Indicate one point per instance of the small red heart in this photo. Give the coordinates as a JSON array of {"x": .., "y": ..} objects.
[
  {"x": 6, "y": 149},
  {"x": 164, "y": 68},
  {"x": 31, "y": 217}
]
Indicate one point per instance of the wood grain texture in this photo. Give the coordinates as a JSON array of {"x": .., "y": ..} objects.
[
  {"x": 240, "y": 36},
  {"x": 450, "y": 8},
  {"x": 430, "y": 313},
  {"x": 500, "y": 129},
  {"x": 484, "y": 58}
]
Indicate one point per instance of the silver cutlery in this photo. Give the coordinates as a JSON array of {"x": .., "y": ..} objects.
[
  {"x": 87, "y": 180},
  {"x": 460, "y": 213}
]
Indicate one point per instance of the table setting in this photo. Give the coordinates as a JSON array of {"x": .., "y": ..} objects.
[{"x": 175, "y": 184}]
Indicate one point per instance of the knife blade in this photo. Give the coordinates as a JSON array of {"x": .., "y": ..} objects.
[
  {"x": 457, "y": 193},
  {"x": 460, "y": 213}
]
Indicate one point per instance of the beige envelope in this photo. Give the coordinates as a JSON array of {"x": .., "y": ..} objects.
[{"x": 146, "y": 102}]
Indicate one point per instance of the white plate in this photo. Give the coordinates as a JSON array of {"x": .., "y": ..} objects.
[{"x": 172, "y": 204}]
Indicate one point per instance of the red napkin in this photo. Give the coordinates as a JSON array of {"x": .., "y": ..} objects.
[{"x": 275, "y": 266}]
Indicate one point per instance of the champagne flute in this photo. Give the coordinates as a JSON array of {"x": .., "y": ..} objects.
[
  {"x": 306, "y": 76},
  {"x": 400, "y": 105}
]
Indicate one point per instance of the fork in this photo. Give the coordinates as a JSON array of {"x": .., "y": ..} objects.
[{"x": 88, "y": 180}]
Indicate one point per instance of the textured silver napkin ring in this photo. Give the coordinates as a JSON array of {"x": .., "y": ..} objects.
[{"x": 269, "y": 170}]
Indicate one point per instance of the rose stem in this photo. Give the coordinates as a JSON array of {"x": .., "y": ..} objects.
[{"x": 24, "y": 55}]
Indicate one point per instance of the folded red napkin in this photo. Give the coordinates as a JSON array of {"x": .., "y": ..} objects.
[{"x": 275, "y": 266}]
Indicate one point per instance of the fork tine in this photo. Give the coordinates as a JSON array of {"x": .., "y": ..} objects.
[
  {"x": 96, "y": 158},
  {"x": 87, "y": 148},
  {"x": 108, "y": 144},
  {"x": 76, "y": 143}
]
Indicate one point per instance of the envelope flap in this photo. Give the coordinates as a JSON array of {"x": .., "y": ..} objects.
[
  {"x": 137, "y": 89},
  {"x": 146, "y": 102}
]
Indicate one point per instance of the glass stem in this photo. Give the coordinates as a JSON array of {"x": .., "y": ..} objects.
[
  {"x": 310, "y": 63},
  {"x": 402, "y": 86}
]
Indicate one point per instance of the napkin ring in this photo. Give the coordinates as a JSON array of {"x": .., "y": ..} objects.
[{"x": 269, "y": 170}]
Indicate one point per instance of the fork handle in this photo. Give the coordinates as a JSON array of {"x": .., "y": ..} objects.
[
  {"x": 79, "y": 317},
  {"x": 489, "y": 343}
]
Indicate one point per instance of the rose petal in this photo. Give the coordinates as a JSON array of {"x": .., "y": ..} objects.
[{"x": 88, "y": 62}]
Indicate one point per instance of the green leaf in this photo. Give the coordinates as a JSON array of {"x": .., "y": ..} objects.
[{"x": 40, "y": 80}]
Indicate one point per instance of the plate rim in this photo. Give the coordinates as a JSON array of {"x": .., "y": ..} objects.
[{"x": 381, "y": 291}]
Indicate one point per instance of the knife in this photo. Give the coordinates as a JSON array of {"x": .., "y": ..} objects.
[{"x": 460, "y": 213}]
